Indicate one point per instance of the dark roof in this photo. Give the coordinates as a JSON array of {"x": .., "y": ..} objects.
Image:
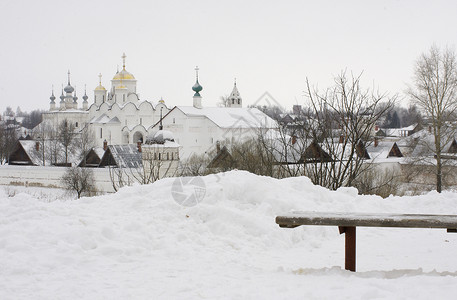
[
  {"x": 315, "y": 153},
  {"x": 381, "y": 132},
  {"x": 25, "y": 153},
  {"x": 395, "y": 151},
  {"x": 453, "y": 147},
  {"x": 93, "y": 158},
  {"x": 362, "y": 150},
  {"x": 122, "y": 156},
  {"x": 223, "y": 159}
]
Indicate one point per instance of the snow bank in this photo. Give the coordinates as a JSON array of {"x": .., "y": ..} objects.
[{"x": 139, "y": 243}]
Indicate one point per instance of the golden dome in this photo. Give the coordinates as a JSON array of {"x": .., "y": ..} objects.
[
  {"x": 100, "y": 88},
  {"x": 123, "y": 75}
]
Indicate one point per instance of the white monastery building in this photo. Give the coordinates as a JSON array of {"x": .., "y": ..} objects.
[{"x": 119, "y": 116}]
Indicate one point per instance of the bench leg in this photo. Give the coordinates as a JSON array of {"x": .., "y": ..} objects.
[{"x": 350, "y": 238}]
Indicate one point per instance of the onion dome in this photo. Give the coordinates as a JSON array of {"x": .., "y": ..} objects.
[
  {"x": 197, "y": 88},
  {"x": 75, "y": 98},
  {"x": 85, "y": 96},
  {"x": 52, "y": 97},
  {"x": 62, "y": 97},
  {"x": 68, "y": 88},
  {"x": 123, "y": 75},
  {"x": 100, "y": 87},
  {"x": 161, "y": 100},
  {"x": 160, "y": 137}
]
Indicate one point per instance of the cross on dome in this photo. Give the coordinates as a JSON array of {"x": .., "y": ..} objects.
[{"x": 123, "y": 60}]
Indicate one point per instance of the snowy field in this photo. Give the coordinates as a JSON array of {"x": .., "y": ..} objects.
[{"x": 141, "y": 244}]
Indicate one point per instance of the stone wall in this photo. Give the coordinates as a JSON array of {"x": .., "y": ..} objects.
[{"x": 48, "y": 177}]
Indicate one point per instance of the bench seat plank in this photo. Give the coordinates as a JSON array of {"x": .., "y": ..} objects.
[{"x": 367, "y": 220}]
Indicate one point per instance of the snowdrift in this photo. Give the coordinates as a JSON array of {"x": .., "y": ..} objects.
[{"x": 142, "y": 243}]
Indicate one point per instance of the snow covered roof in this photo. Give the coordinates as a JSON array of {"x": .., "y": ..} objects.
[
  {"x": 99, "y": 151},
  {"x": 26, "y": 153},
  {"x": 67, "y": 111},
  {"x": 160, "y": 137},
  {"x": 104, "y": 119},
  {"x": 29, "y": 146},
  {"x": 166, "y": 144},
  {"x": 124, "y": 156},
  {"x": 231, "y": 117},
  {"x": 399, "y": 132}
]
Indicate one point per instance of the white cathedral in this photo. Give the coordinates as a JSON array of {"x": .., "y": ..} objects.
[{"x": 120, "y": 117}]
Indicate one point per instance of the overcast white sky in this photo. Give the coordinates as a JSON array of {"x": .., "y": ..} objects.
[{"x": 267, "y": 45}]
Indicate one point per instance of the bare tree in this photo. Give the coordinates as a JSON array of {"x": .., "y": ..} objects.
[
  {"x": 85, "y": 141},
  {"x": 66, "y": 135},
  {"x": 379, "y": 181},
  {"x": 157, "y": 163},
  {"x": 8, "y": 140},
  {"x": 79, "y": 180},
  {"x": 341, "y": 125},
  {"x": 118, "y": 177},
  {"x": 54, "y": 146},
  {"x": 42, "y": 133},
  {"x": 195, "y": 165},
  {"x": 223, "y": 101},
  {"x": 434, "y": 91}
]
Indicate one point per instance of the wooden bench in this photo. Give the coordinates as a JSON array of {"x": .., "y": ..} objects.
[{"x": 347, "y": 223}]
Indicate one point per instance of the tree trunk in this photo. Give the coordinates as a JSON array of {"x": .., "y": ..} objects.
[{"x": 439, "y": 175}]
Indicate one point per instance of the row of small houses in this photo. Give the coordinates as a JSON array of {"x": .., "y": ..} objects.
[
  {"x": 30, "y": 152},
  {"x": 158, "y": 148},
  {"x": 384, "y": 149}
]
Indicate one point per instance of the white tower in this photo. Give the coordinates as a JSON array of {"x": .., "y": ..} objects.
[
  {"x": 234, "y": 99},
  {"x": 99, "y": 92},
  {"x": 123, "y": 84},
  {"x": 69, "y": 94}
]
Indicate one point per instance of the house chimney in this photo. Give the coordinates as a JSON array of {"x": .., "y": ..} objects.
[
  {"x": 376, "y": 141},
  {"x": 376, "y": 127},
  {"x": 341, "y": 139},
  {"x": 37, "y": 146},
  {"x": 294, "y": 139},
  {"x": 138, "y": 144},
  {"x": 105, "y": 145},
  {"x": 218, "y": 147}
]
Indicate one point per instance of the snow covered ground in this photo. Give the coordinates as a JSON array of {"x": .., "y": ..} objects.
[{"x": 141, "y": 244}]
